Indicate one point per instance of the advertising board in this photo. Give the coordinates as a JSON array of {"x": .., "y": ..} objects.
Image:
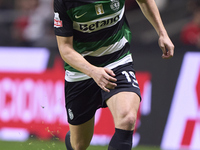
[{"x": 32, "y": 98}]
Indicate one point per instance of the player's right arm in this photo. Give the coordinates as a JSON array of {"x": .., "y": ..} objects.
[
  {"x": 63, "y": 26},
  {"x": 104, "y": 77}
]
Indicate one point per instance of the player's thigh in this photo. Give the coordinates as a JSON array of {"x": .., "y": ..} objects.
[
  {"x": 82, "y": 99},
  {"x": 82, "y": 134},
  {"x": 124, "y": 105}
]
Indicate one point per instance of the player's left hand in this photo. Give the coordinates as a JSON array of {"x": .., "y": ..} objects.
[{"x": 166, "y": 46}]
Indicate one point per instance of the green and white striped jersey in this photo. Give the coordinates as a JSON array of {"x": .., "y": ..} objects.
[{"x": 99, "y": 29}]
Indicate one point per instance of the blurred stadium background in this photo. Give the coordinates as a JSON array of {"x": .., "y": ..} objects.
[{"x": 32, "y": 113}]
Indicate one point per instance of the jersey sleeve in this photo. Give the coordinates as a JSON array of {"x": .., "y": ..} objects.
[{"x": 63, "y": 25}]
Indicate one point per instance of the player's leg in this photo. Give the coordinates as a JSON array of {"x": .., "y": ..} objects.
[
  {"x": 80, "y": 135},
  {"x": 82, "y": 98},
  {"x": 123, "y": 102},
  {"x": 124, "y": 107}
]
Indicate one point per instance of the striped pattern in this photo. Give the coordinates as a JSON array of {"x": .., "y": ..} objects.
[
  {"x": 72, "y": 76},
  {"x": 100, "y": 34},
  {"x": 107, "y": 49}
]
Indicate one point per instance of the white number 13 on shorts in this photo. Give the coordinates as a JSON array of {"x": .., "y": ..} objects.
[{"x": 130, "y": 75}]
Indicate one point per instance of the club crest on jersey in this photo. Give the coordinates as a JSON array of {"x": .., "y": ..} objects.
[
  {"x": 99, "y": 9},
  {"x": 57, "y": 21},
  {"x": 115, "y": 5}
]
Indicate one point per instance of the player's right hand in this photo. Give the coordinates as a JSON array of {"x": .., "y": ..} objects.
[{"x": 105, "y": 78}]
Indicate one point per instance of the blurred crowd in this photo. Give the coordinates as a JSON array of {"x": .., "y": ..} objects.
[
  {"x": 190, "y": 34},
  {"x": 30, "y": 22},
  {"x": 26, "y": 22}
]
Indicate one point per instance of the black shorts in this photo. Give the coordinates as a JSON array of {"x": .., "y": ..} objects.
[{"x": 83, "y": 98}]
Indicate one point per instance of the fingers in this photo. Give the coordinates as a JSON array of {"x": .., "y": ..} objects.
[
  {"x": 167, "y": 47},
  {"x": 105, "y": 89},
  {"x": 105, "y": 78},
  {"x": 110, "y": 72},
  {"x": 108, "y": 81},
  {"x": 169, "y": 53},
  {"x": 167, "y": 56},
  {"x": 110, "y": 85},
  {"x": 106, "y": 85}
]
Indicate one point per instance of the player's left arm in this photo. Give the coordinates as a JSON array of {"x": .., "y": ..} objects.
[{"x": 151, "y": 12}]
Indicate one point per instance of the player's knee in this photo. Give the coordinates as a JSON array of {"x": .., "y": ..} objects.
[
  {"x": 80, "y": 145},
  {"x": 128, "y": 120}
]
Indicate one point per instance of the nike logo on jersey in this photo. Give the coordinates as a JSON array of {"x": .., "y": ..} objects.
[{"x": 80, "y": 15}]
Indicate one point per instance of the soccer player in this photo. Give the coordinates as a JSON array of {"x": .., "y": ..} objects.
[{"x": 94, "y": 41}]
